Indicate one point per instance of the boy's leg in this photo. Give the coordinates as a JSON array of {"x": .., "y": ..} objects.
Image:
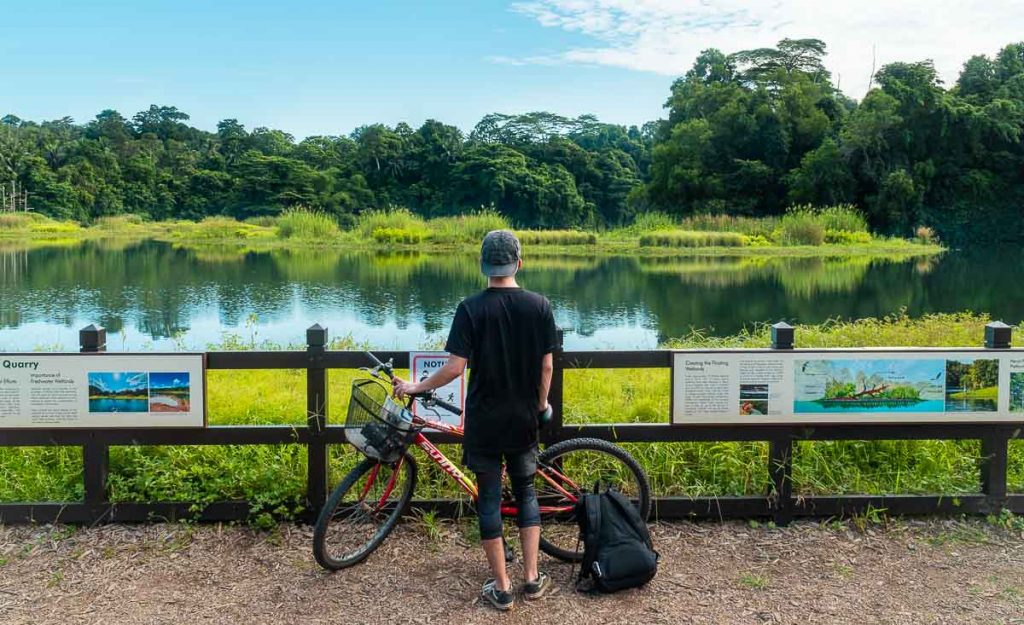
[
  {"x": 488, "y": 508},
  {"x": 530, "y": 538},
  {"x": 521, "y": 469}
]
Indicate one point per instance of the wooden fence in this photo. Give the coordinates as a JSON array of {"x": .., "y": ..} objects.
[{"x": 779, "y": 503}]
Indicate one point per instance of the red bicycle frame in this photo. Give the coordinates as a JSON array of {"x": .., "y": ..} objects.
[{"x": 549, "y": 474}]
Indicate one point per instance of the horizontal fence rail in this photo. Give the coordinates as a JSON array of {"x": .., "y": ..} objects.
[{"x": 317, "y": 434}]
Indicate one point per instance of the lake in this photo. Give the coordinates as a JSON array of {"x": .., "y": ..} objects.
[{"x": 152, "y": 295}]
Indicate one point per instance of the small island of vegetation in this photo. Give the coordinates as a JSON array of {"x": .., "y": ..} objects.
[{"x": 805, "y": 230}]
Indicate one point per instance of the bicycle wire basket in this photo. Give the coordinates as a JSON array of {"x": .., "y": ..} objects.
[{"x": 376, "y": 424}]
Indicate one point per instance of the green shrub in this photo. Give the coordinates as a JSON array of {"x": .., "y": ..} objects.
[
  {"x": 393, "y": 219},
  {"x": 688, "y": 238},
  {"x": 397, "y": 235},
  {"x": 801, "y": 227},
  {"x": 845, "y": 237},
  {"x": 556, "y": 237},
  {"x": 466, "y": 228},
  {"x": 302, "y": 223}
]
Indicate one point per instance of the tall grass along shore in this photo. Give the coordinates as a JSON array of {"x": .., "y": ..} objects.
[
  {"x": 272, "y": 478},
  {"x": 803, "y": 229}
]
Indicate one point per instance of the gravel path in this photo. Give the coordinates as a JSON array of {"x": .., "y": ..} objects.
[{"x": 906, "y": 572}]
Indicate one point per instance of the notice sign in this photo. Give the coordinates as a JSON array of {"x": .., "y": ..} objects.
[
  {"x": 423, "y": 365},
  {"x": 848, "y": 386},
  {"x": 102, "y": 390}
]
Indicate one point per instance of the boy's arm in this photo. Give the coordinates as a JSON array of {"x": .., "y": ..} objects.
[
  {"x": 451, "y": 370},
  {"x": 547, "y": 367}
]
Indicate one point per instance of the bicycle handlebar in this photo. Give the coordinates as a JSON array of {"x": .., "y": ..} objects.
[
  {"x": 429, "y": 397},
  {"x": 386, "y": 368}
]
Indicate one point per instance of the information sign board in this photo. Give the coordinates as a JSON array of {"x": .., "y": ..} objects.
[
  {"x": 102, "y": 390},
  {"x": 847, "y": 386}
]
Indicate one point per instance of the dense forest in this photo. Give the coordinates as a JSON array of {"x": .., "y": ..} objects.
[{"x": 749, "y": 133}]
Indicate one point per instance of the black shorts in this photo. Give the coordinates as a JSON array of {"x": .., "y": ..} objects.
[{"x": 519, "y": 464}]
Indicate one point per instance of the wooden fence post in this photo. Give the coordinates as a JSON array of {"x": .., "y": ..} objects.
[
  {"x": 553, "y": 432},
  {"x": 316, "y": 421},
  {"x": 95, "y": 455},
  {"x": 780, "y": 449},
  {"x": 995, "y": 444}
]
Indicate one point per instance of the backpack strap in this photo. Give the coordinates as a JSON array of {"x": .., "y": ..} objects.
[
  {"x": 629, "y": 511},
  {"x": 592, "y": 508}
]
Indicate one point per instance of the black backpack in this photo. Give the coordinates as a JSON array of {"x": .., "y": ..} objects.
[{"x": 617, "y": 548}]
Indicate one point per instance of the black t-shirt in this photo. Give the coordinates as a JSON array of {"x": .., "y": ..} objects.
[{"x": 504, "y": 333}]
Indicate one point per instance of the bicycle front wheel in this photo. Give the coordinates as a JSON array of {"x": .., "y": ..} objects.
[
  {"x": 362, "y": 511},
  {"x": 568, "y": 470}
]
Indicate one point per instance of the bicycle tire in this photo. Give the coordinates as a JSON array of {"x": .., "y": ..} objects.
[
  {"x": 595, "y": 444},
  {"x": 320, "y": 550}
]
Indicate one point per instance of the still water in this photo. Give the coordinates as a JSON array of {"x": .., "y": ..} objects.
[{"x": 151, "y": 295}]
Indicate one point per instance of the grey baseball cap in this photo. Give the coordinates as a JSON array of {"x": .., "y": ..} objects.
[{"x": 500, "y": 254}]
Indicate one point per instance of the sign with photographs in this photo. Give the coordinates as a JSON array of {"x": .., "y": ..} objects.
[
  {"x": 422, "y": 366},
  {"x": 847, "y": 386},
  {"x": 102, "y": 390}
]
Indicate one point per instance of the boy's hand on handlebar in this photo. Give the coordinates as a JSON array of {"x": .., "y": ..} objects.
[{"x": 403, "y": 388}]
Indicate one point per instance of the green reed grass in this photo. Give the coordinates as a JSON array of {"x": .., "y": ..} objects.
[
  {"x": 401, "y": 219},
  {"x": 20, "y": 221},
  {"x": 34, "y": 225},
  {"x": 556, "y": 237},
  {"x": 801, "y": 227},
  {"x": 842, "y": 217},
  {"x": 216, "y": 229},
  {"x": 652, "y": 222},
  {"x": 273, "y": 477},
  {"x": 302, "y": 223},
  {"x": 469, "y": 228},
  {"x": 118, "y": 223},
  {"x": 688, "y": 238},
  {"x": 750, "y": 226}
]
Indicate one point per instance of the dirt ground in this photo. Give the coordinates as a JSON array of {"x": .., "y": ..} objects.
[{"x": 906, "y": 572}]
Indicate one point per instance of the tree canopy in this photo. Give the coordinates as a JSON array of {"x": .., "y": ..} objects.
[
  {"x": 750, "y": 132},
  {"x": 758, "y": 130},
  {"x": 539, "y": 169}
]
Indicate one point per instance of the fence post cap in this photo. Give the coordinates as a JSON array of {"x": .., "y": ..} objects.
[
  {"x": 92, "y": 338},
  {"x": 92, "y": 334},
  {"x": 998, "y": 335},
  {"x": 782, "y": 335},
  {"x": 316, "y": 335}
]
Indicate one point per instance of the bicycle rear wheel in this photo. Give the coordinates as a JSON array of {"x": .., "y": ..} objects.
[
  {"x": 362, "y": 511},
  {"x": 569, "y": 469}
]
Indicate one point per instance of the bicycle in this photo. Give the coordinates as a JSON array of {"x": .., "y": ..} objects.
[{"x": 368, "y": 502}]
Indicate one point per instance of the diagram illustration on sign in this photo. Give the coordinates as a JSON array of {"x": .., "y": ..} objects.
[{"x": 422, "y": 366}]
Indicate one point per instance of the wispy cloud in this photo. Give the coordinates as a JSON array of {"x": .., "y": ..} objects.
[{"x": 665, "y": 36}]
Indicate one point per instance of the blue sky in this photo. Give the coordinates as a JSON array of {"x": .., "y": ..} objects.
[
  {"x": 317, "y": 67},
  {"x": 305, "y": 67},
  {"x": 118, "y": 381},
  {"x": 161, "y": 380}
]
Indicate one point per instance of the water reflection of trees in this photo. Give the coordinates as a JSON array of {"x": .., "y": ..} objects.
[{"x": 161, "y": 289}]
